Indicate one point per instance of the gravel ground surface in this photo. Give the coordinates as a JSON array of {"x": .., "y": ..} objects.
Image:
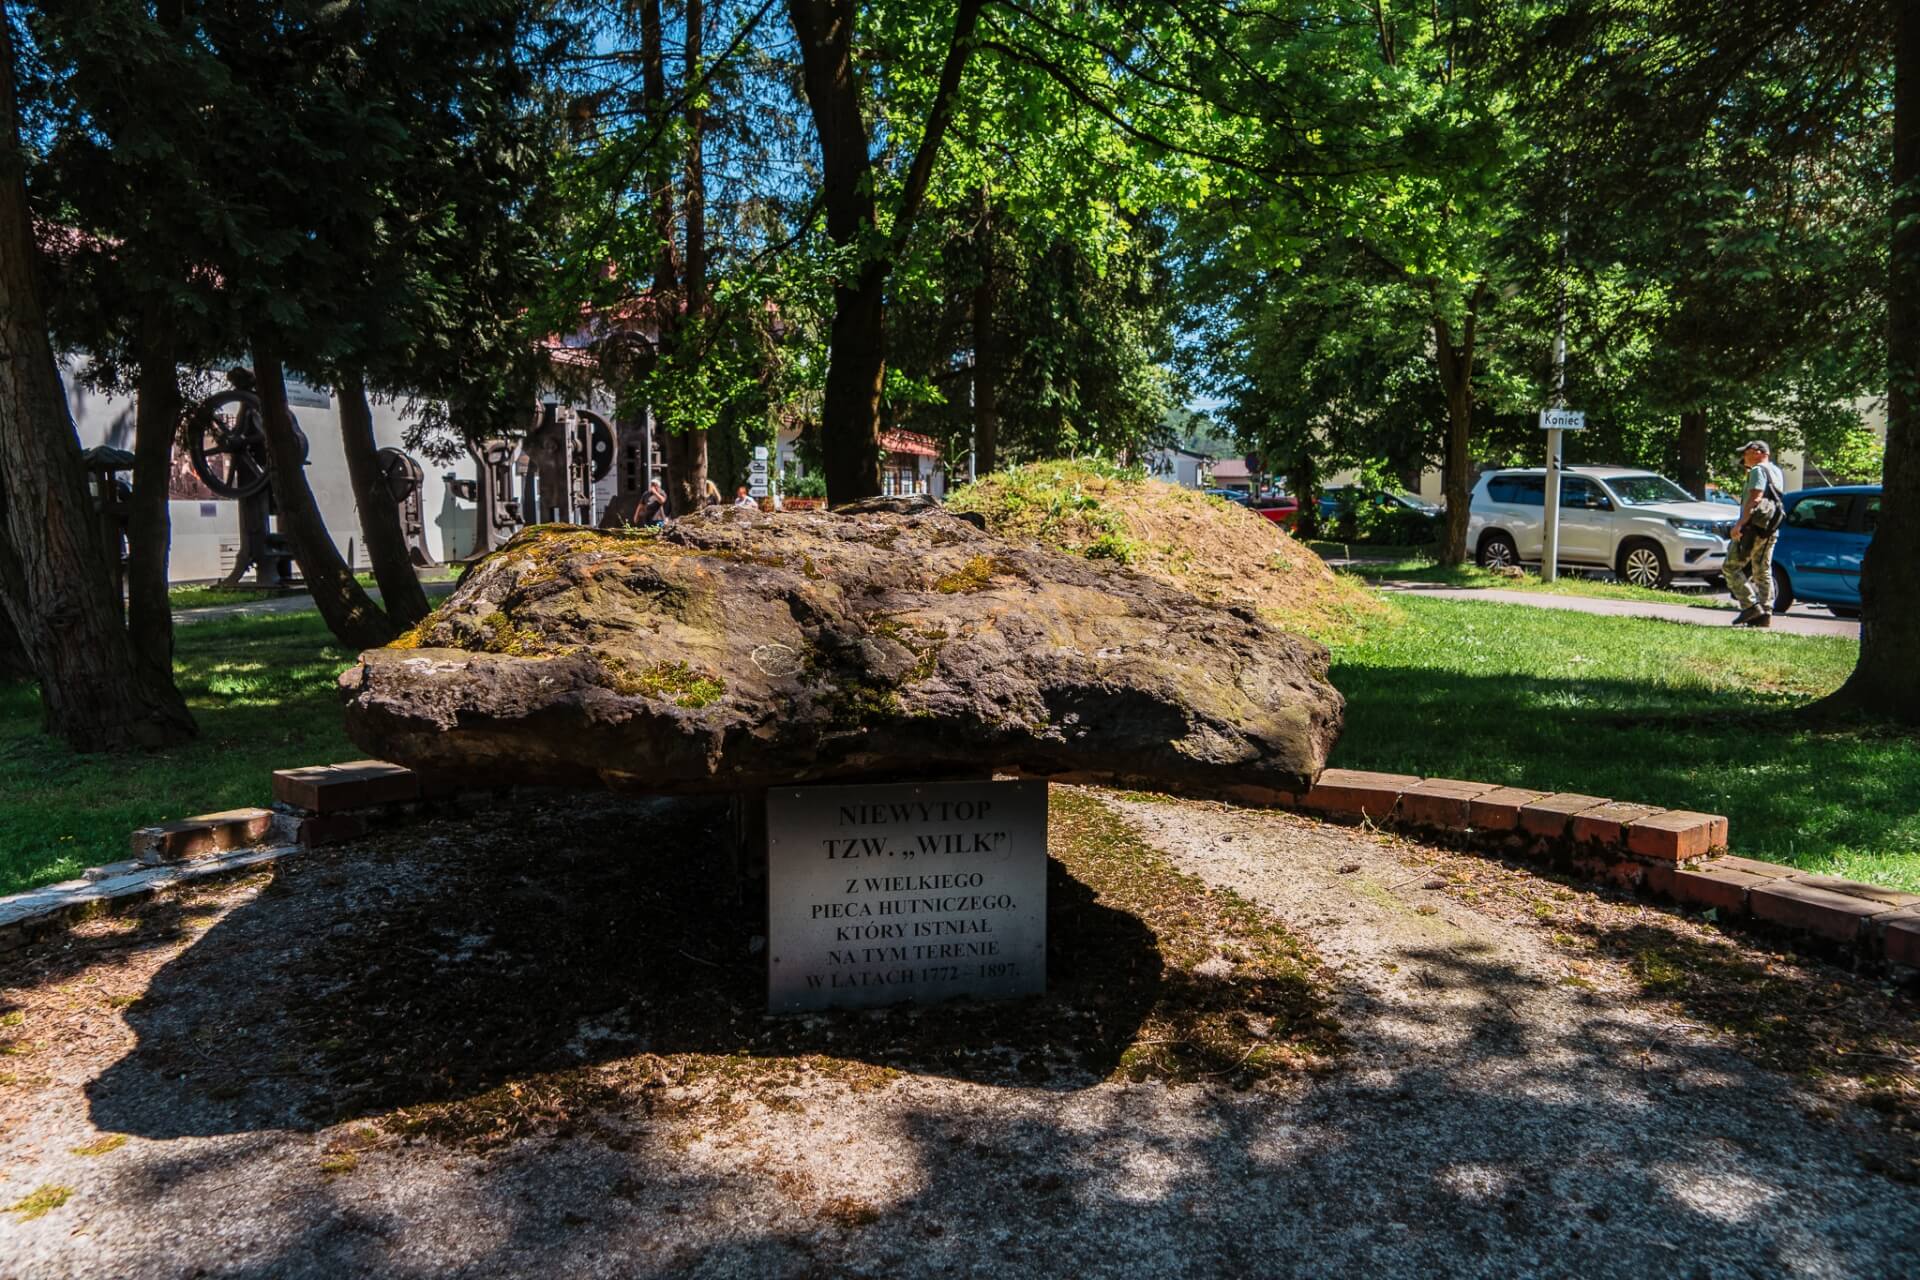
[{"x": 1537, "y": 1080}]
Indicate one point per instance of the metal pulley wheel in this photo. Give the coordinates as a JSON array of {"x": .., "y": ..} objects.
[
  {"x": 227, "y": 444},
  {"x": 399, "y": 473}
]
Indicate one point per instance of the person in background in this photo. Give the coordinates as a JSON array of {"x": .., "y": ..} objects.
[
  {"x": 713, "y": 498},
  {"x": 744, "y": 499},
  {"x": 1749, "y": 567},
  {"x": 654, "y": 513},
  {"x": 631, "y": 509}
]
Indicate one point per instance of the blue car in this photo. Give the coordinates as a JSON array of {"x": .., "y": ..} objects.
[{"x": 1822, "y": 543}]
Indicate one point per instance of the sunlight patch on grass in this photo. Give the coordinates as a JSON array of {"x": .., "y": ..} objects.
[
  {"x": 262, "y": 689},
  {"x": 1642, "y": 710}
]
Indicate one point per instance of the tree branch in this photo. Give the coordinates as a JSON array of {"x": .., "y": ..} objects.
[{"x": 966, "y": 17}]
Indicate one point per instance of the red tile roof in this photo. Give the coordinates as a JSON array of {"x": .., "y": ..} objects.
[{"x": 897, "y": 441}]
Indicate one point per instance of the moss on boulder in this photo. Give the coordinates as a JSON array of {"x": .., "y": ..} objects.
[{"x": 739, "y": 649}]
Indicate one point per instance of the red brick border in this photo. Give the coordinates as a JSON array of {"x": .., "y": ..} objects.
[{"x": 1677, "y": 854}]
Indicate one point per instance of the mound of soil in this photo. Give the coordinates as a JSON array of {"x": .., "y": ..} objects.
[{"x": 1203, "y": 545}]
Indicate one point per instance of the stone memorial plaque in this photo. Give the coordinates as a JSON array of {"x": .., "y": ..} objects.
[{"x": 892, "y": 892}]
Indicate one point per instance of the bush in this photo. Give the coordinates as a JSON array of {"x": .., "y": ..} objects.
[
  {"x": 1392, "y": 525},
  {"x": 810, "y": 485}
]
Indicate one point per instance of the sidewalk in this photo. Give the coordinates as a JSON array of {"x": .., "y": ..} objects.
[
  {"x": 1800, "y": 623},
  {"x": 280, "y": 604}
]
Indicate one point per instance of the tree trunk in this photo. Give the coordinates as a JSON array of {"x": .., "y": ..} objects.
[
  {"x": 1456, "y": 380},
  {"x": 856, "y": 355},
  {"x": 14, "y": 663},
  {"x": 1304, "y": 477},
  {"x": 685, "y": 453},
  {"x": 986, "y": 355},
  {"x": 856, "y": 343},
  {"x": 1886, "y": 680},
  {"x": 1693, "y": 452},
  {"x": 149, "y": 525},
  {"x": 54, "y": 583},
  {"x": 355, "y": 620},
  {"x": 401, "y": 594},
  {"x": 687, "y": 448}
]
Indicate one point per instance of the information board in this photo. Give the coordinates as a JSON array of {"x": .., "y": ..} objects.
[{"x": 893, "y": 892}]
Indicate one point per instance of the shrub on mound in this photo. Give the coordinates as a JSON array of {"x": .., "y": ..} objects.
[{"x": 1206, "y": 546}]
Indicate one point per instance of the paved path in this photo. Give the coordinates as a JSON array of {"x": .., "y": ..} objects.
[
  {"x": 279, "y": 604},
  {"x": 1805, "y": 624}
]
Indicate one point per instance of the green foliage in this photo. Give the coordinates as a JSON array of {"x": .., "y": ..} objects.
[
  {"x": 1050, "y": 502},
  {"x": 1334, "y": 317},
  {"x": 388, "y": 161},
  {"x": 810, "y": 485},
  {"x": 1117, "y": 547},
  {"x": 1857, "y": 457}
]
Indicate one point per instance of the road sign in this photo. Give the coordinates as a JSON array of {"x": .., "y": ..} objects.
[
  {"x": 759, "y": 453},
  {"x": 1563, "y": 419}
]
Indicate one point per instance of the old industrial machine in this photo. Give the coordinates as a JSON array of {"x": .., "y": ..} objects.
[
  {"x": 404, "y": 480},
  {"x": 227, "y": 446}
]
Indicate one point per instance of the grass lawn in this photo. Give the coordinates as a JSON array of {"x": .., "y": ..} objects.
[
  {"x": 262, "y": 690},
  {"x": 1658, "y": 712}
]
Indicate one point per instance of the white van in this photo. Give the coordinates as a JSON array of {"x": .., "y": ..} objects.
[{"x": 1641, "y": 525}]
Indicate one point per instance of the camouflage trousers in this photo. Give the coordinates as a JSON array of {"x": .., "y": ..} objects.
[{"x": 1749, "y": 571}]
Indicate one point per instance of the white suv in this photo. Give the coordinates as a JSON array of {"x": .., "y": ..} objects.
[{"x": 1641, "y": 525}]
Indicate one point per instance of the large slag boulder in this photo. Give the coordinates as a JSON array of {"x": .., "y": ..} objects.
[{"x": 736, "y": 649}]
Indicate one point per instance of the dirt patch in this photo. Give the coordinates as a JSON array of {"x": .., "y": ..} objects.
[
  {"x": 1845, "y": 1038},
  {"x": 530, "y": 1042},
  {"x": 455, "y": 989},
  {"x": 1204, "y": 545}
]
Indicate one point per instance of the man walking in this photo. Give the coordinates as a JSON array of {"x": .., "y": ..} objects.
[{"x": 1749, "y": 567}]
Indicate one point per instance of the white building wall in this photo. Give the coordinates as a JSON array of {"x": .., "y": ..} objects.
[{"x": 1177, "y": 466}]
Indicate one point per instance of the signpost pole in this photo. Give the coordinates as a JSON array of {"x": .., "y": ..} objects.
[{"x": 1550, "y": 545}]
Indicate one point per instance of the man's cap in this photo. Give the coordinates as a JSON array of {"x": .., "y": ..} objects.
[{"x": 1761, "y": 445}]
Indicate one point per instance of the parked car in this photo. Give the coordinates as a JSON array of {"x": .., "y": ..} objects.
[
  {"x": 1237, "y": 496},
  {"x": 1281, "y": 509},
  {"x": 1822, "y": 543},
  {"x": 1641, "y": 525}
]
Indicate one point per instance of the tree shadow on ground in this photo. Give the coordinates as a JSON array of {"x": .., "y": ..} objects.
[
  {"x": 1489, "y": 1141},
  {"x": 446, "y": 964}
]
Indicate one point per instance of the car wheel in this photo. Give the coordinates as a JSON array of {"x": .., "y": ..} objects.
[
  {"x": 1644, "y": 564},
  {"x": 1498, "y": 552},
  {"x": 1782, "y": 590}
]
